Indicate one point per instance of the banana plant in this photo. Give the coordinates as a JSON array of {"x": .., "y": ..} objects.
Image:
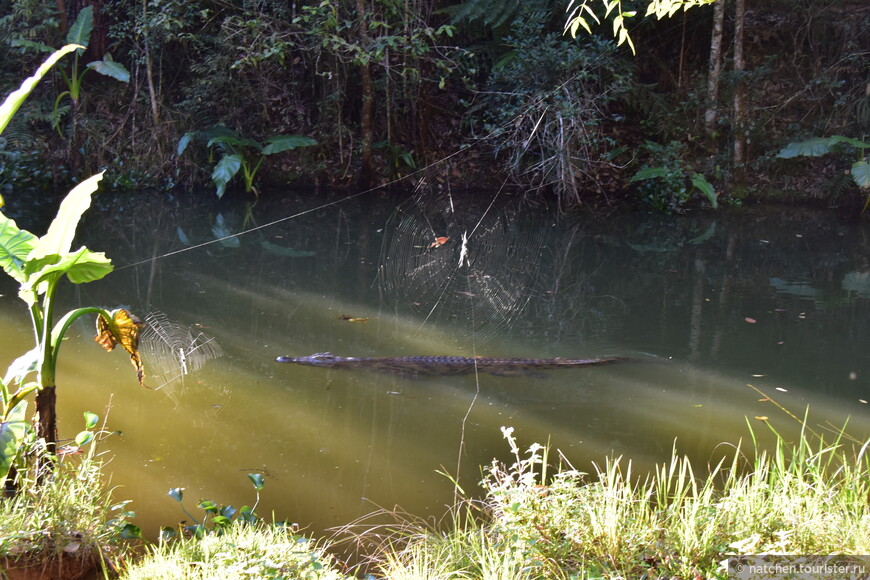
[
  {"x": 240, "y": 153},
  {"x": 39, "y": 264}
]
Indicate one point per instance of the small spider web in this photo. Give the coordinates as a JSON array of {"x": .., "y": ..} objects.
[
  {"x": 462, "y": 263},
  {"x": 172, "y": 351}
]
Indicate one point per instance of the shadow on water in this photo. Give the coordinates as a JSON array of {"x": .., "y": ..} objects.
[{"x": 703, "y": 305}]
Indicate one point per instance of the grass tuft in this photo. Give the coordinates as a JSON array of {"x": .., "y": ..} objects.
[
  {"x": 803, "y": 497},
  {"x": 241, "y": 550},
  {"x": 66, "y": 522}
]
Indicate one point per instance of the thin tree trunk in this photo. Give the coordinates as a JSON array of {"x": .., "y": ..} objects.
[
  {"x": 365, "y": 173},
  {"x": 149, "y": 73},
  {"x": 711, "y": 115},
  {"x": 739, "y": 124}
]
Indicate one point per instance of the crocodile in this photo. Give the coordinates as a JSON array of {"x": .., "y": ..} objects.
[{"x": 444, "y": 364}]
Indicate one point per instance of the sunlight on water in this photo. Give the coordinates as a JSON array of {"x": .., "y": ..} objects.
[{"x": 337, "y": 444}]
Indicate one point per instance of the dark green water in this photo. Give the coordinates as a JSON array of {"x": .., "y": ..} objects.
[{"x": 705, "y": 304}]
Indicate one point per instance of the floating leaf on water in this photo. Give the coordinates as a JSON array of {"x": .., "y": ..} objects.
[
  {"x": 750, "y": 320},
  {"x": 862, "y": 401},
  {"x": 761, "y": 417},
  {"x": 440, "y": 241},
  {"x": 349, "y": 318},
  {"x": 781, "y": 389}
]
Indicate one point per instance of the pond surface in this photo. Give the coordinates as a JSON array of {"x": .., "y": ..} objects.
[{"x": 704, "y": 305}]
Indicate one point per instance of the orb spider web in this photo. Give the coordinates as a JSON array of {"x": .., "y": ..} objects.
[{"x": 462, "y": 262}]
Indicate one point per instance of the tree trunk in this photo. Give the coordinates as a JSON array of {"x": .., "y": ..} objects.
[
  {"x": 715, "y": 70},
  {"x": 46, "y": 427},
  {"x": 365, "y": 173},
  {"x": 739, "y": 125}
]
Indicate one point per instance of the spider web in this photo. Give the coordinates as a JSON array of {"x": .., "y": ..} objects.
[
  {"x": 172, "y": 350},
  {"x": 462, "y": 262}
]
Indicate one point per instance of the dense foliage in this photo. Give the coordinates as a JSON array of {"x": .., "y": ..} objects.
[{"x": 449, "y": 94}]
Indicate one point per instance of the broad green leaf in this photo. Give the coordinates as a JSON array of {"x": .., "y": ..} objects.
[
  {"x": 80, "y": 267},
  {"x": 14, "y": 100},
  {"x": 111, "y": 69},
  {"x": 22, "y": 366},
  {"x": 856, "y": 143},
  {"x": 59, "y": 238},
  {"x": 12, "y": 432},
  {"x": 15, "y": 246},
  {"x": 80, "y": 31},
  {"x": 234, "y": 141},
  {"x": 814, "y": 147},
  {"x": 217, "y": 131},
  {"x": 650, "y": 173},
  {"x": 257, "y": 480},
  {"x": 705, "y": 187},
  {"x": 861, "y": 173},
  {"x": 37, "y": 46},
  {"x": 91, "y": 419},
  {"x": 282, "y": 143},
  {"x": 224, "y": 171}
]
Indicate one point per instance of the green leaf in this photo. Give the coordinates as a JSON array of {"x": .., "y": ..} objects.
[
  {"x": 814, "y": 147},
  {"x": 176, "y": 493},
  {"x": 111, "y": 69},
  {"x": 281, "y": 143},
  {"x": 22, "y": 366},
  {"x": 83, "y": 438},
  {"x": 856, "y": 143},
  {"x": 14, "y": 100},
  {"x": 12, "y": 431},
  {"x": 705, "y": 187},
  {"x": 80, "y": 31},
  {"x": 37, "y": 46},
  {"x": 80, "y": 267},
  {"x": 133, "y": 531},
  {"x": 224, "y": 171},
  {"x": 15, "y": 246},
  {"x": 221, "y": 521},
  {"x": 91, "y": 420},
  {"x": 208, "y": 505},
  {"x": 184, "y": 142},
  {"x": 257, "y": 480},
  {"x": 650, "y": 173},
  {"x": 861, "y": 173},
  {"x": 59, "y": 238},
  {"x": 234, "y": 141}
]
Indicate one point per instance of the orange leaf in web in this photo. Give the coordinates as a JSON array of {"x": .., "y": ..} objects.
[{"x": 123, "y": 329}]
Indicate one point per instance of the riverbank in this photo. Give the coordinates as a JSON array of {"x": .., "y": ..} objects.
[{"x": 539, "y": 517}]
